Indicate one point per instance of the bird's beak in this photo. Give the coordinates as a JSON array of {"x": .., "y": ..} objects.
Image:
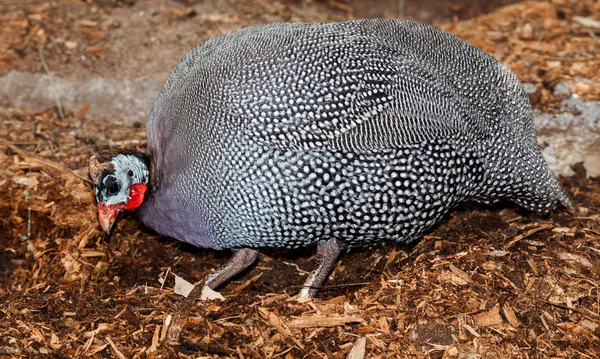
[{"x": 107, "y": 215}]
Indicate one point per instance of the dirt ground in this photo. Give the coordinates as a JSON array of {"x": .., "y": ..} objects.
[{"x": 495, "y": 282}]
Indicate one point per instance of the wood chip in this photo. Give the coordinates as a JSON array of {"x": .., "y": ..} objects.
[
  {"x": 101, "y": 327},
  {"x": 91, "y": 253},
  {"x": 87, "y": 23},
  {"x": 532, "y": 265},
  {"x": 497, "y": 253},
  {"x": 54, "y": 342},
  {"x": 96, "y": 350},
  {"x": 587, "y": 22},
  {"x": 26, "y": 181},
  {"x": 527, "y": 234},
  {"x": 589, "y": 325},
  {"x": 358, "y": 350},
  {"x": 318, "y": 321},
  {"x": 460, "y": 273},
  {"x": 574, "y": 258},
  {"x": 114, "y": 348},
  {"x": 448, "y": 276},
  {"x": 88, "y": 343},
  {"x": 182, "y": 286},
  {"x": 509, "y": 313},
  {"x": 534, "y": 243},
  {"x": 278, "y": 324},
  {"x": 165, "y": 327},
  {"x": 247, "y": 283},
  {"x": 209, "y": 294},
  {"x": 155, "y": 340},
  {"x": 471, "y": 330}
]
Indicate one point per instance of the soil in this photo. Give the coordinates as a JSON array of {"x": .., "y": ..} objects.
[{"x": 492, "y": 282}]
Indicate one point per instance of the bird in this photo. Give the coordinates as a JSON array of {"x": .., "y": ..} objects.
[{"x": 335, "y": 135}]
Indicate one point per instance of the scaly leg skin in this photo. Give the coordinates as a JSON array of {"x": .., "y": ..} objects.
[
  {"x": 241, "y": 259},
  {"x": 327, "y": 255}
]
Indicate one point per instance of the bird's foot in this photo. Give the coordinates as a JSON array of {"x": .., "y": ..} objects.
[{"x": 182, "y": 313}]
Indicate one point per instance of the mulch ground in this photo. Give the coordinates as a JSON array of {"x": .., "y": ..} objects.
[{"x": 495, "y": 282}]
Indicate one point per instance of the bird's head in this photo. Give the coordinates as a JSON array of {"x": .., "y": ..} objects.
[{"x": 120, "y": 183}]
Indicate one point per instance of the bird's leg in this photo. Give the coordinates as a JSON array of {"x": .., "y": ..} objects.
[
  {"x": 241, "y": 259},
  {"x": 327, "y": 254}
]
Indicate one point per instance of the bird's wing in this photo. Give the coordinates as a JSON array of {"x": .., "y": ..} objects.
[{"x": 365, "y": 95}]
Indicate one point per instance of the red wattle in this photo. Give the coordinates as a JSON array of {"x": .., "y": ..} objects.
[{"x": 136, "y": 195}]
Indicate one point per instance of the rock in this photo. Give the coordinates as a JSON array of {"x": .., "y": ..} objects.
[
  {"x": 127, "y": 99},
  {"x": 71, "y": 45},
  {"x": 573, "y": 135}
]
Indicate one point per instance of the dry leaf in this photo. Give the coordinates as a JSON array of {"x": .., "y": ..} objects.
[
  {"x": 570, "y": 257},
  {"x": 461, "y": 274},
  {"x": 490, "y": 318}
]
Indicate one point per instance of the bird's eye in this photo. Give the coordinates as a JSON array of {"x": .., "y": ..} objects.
[
  {"x": 114, "y": 188},
  {"x": 130, "y": 173}
]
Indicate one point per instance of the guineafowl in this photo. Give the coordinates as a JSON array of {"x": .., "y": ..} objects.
[{"x": 338, "y": 134}]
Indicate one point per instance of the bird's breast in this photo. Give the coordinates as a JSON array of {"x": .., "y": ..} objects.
[{"x": 167, "y": 214}]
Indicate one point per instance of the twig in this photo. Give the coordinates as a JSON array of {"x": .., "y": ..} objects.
[
  {"x": 165, "y": 279},
  {"x": 326, "y": 349},
  {"x": 128, "y": 142},
  {"x": 247, "y": 283},
  {"x": 514, "y": 219},
  {"x": 114, "y": 348},
  {"x": 582, "y": 354},
  {"x": 54, "y": 94},
  {"x": 527, "y": 234},
  {"x": 307, "y": 14},
  {"x": 302, "y": 272},
  {"x": 591, "y": 316},
  {"x": 590, "y": 231},
  {"x": 32, "y": 158},
  {"x": 30, "y": 195},
  {"x": 225, "y": 319},
  {"x": 29, "y": 143},
  {"x": 87, "y": 344},
  {"x": 570, "y": 59},
  {"x": 332, "y": 286}
]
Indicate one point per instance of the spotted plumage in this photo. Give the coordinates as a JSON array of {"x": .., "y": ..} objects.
[{"x": 341, "y": 134}]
